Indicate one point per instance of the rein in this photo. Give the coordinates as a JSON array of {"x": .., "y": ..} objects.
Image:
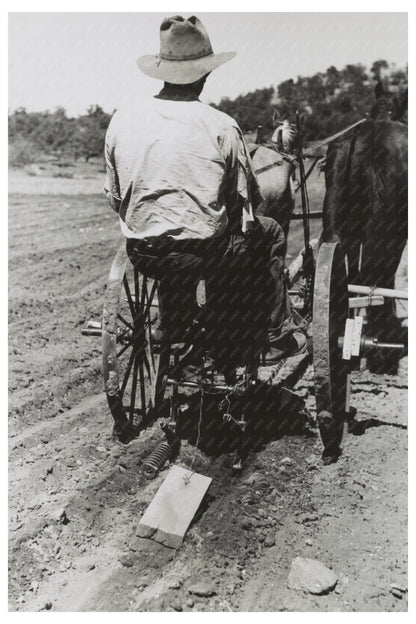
[{"x": 308, "y": 153}]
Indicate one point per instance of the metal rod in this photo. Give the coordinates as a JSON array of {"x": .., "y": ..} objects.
[
  {"x": 384, "y": 292},
  {"x": 91, "y": 332},
  {"x": 193, "y": 384},
  {"x": 316, "y": 214},
  {"x": 373, "y": 343}
]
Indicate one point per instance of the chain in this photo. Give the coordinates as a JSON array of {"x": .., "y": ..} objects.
[{"x": 188, "y": 477}]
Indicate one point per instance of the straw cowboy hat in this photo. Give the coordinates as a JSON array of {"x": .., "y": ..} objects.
[{"x": 185, "y": 52}]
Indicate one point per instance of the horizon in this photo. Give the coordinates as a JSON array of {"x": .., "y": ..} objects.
[
  {"x": 78, "y": 60},
  {"x": 92, "y": 104}
]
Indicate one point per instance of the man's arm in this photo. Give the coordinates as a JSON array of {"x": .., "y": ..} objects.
[{"x": 241, "y": 190}]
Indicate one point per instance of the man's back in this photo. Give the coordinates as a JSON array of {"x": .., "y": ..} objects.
[{"x": 170, "y": 161}]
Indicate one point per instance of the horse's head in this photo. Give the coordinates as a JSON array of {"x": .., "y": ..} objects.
[
  {"x": 285, "y": 134},
  {"x": 388, "y": 105}
]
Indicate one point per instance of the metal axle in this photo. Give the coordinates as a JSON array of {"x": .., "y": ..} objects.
[{"x": 366, "y": 344}]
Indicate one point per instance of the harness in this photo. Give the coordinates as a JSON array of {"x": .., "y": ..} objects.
[
  {"x": 297, "y": 160},
  {"x": 308, "y": 153}
]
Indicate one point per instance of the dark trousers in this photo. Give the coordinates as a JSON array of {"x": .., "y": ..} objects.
[{"x": 244, "y": 284}]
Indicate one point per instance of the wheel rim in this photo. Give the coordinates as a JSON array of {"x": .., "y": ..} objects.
[
  {"x": 131, "y": 367},
  {"x": 330, "y": 311}
]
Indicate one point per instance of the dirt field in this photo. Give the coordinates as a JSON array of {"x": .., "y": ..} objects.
[{"x": 76, "y": 496}]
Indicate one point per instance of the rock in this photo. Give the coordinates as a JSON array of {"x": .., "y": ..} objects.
[
  {"x": 311, "y": 575},
  {"x": 396, "y": 593},
  {"x": 190, "y": 603},
  {"x": 249, "y": 523},
  {"x": 126, "y": 560},
  {"x": 204, "y": 590},
  {"x": 177, "y": 607},
  {"x": 309, "y": 518},
  {"x": 309, "y": 542},
  {"x": 174, "y": 585},
  {"x": 269, "y": 540},
  {"x": 48, "y": 606},
  {"x": 59, "y": 515},
  {"x": 256, "y": 478},
  {"x": 286, "y": 461}
]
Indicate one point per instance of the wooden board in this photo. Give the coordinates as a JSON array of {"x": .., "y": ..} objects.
[{"x": 170, "y": 513}]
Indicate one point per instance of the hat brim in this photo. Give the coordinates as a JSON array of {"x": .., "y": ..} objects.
[{"x": 181, "y": 72}]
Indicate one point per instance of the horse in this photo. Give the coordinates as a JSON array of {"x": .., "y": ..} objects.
[
  {"x": 274, "y": 167},
  {"x": 365, "y": 209}
]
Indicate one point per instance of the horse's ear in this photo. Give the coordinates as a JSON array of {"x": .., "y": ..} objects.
[
  {"x": 276, "y": 117},
  {"x": 379, "y": 90}
]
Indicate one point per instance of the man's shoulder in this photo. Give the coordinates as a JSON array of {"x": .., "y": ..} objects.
[
  {"x": 133, "y": 108},
  {"x": 221, "y": 118}
]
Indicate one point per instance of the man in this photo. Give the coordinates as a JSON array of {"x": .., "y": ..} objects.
[{"x": 180, "y": 178}]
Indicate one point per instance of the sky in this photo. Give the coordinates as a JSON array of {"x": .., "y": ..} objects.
[{"x": 80, "y": 59}]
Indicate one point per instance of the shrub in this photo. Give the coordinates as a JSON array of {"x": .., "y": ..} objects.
[{"x": 22, "y": 152}]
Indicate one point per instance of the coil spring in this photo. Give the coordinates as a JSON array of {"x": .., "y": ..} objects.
[{"x": 156, "y": 460}]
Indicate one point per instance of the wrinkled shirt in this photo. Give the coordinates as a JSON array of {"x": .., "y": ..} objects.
[{"x": 178, "y": 169}]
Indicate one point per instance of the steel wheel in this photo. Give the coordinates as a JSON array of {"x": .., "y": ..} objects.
[
  {"x": 134, "y": 374},
  {"x": 330, "y": 311}
]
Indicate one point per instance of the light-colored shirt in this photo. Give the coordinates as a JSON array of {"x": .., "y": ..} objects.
[{"x": 178, "y": 169}]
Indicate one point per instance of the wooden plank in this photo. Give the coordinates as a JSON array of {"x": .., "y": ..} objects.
[
  {"x": 356, "y": 335},
  {"x": 346, "y": 347},
  {"x": 170, "y": 513},
  {"x": 365, "y": 302},
  {"x": 383, "y": 292}
]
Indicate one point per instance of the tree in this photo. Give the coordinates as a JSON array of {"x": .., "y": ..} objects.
[
  {"x": 88, "y": 140},
  {"x": 377, "y": 69}
]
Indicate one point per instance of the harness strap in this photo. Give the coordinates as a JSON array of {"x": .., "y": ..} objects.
[
  {"x": 267, "y": 167},
  {"x": 310, "y": 152}
]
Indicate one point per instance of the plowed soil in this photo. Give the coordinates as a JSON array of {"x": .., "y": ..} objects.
[{"x": 76, "y": 496}]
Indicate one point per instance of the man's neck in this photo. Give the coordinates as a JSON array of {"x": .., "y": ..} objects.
[{"x": 181, "y": 93}]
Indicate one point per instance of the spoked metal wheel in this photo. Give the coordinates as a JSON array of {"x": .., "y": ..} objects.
[
  {"x": 134, "y": 371},
  {"x": 330, "y": 311}
]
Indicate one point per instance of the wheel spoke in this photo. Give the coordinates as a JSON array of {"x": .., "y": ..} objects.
[
  {"x": 134, "y": 386},
  {"x": 128, "y": 293},
  {"x": 150, "y": 300},
  {"x": 123, "y": 320},
  {"x": 124, "y": 349},
  {"x": 129, "y": 358},
  {"x": 142, "y": 389},
  {"x": 127, "y": 371},
  {"x": 150, "y": 368},
  {"x": 137, "y": 290}
]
